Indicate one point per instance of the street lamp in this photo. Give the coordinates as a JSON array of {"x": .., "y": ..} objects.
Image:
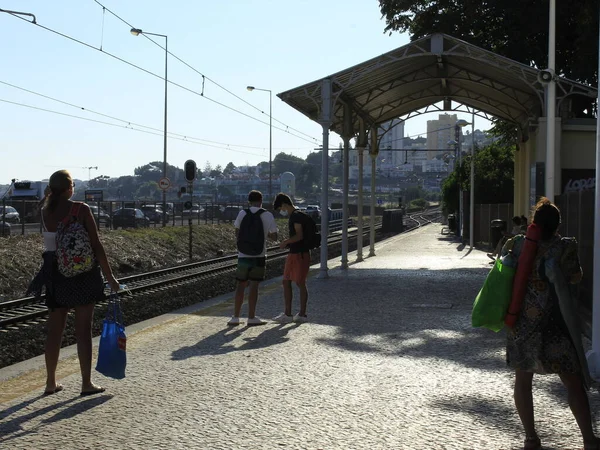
[
  {"x": 137, "y": 32},
  {"x": 18, "y": 13},
  {"x": 252, "y": 88},
  {"x": 460, "y": 124}
]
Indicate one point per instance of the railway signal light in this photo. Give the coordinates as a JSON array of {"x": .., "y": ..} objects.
[{"x": 190, "y": 170}]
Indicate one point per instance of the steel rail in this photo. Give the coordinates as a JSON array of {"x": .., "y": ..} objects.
[
  {"x": 18, "y": 311},
  {"x": 24, "y": 310}
]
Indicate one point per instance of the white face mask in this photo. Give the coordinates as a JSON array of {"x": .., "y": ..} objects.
[{"x": 283, "y": 213}]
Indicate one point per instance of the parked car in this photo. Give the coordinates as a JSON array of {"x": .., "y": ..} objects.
[
  {"x": 153, "y": 213},
  {"x": 150, "y": 211},
  {"x": 101, "y": 216},
  {"x": 195, "y": 211},
  {"x": 9, "y": 214},
  {"x": 4, "y": 229},
  {"x": 230, "y": 212},
  {"x": 129, "y": 218}
]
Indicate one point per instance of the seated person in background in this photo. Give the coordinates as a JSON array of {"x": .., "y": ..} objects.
[
  {"x": 524, "y": 224},
  {"x": 516, "y": 229}
]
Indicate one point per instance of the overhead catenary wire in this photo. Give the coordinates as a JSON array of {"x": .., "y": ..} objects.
[
  {"x": 132, "y": 127},
  {"x": 312, "y": 140},
  {"x": 187, "y": 136},
  {"x": 104, "y": 8}
]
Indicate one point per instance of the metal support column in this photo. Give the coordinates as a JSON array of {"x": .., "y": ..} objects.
[
  {"x": 374, "y": 151},
  {"x": 593, "y": 356},
  {"x": 345, "y": 175},
  {"x": 459, "y": 228},
  {"x": 359, "y": 220},
  {"x": 325, "y": 123},
  {"x": 551, "y": 106},
  {"x": 472, "y": 193}
]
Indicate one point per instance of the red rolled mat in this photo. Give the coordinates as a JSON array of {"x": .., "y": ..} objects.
[{"x": 524, "y": 268}]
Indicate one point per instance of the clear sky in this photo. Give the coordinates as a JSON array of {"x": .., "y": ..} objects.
[{"x": 270, "y": 44}]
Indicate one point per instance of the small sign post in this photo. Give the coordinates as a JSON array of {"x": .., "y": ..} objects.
[
  {"x": 164, "y": 183},
  {"x": 191, "y": 171}
]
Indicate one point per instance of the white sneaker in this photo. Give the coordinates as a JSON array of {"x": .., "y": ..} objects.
[
  {"x": 300, "y": 319},
  {"x": 255, "y": 321},
  {"x": 283, "y": 318},
  {"x": 234, "y": 321}
]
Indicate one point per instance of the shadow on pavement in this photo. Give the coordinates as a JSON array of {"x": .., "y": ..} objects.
[
  {"x": 221, "y": 343},
  {"x": 78, "y": 408},
  {"x": 421, "y": 314},
  {"x": 13, "y": 409},
  {"x": 15, "y": 426}
]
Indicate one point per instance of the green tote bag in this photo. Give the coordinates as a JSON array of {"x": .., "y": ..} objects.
[{"x": 494, "y": 297}]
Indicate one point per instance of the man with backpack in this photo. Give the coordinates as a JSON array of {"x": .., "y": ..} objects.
[
  {"x": 303, "y": 238},
  {"x": 252, "y": 227}
]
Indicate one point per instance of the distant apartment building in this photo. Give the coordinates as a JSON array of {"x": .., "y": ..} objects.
[
  {"x": 439, "y": 132},
  {"x": 391, "y": 142},
  {"x": 416, "y": 155}
]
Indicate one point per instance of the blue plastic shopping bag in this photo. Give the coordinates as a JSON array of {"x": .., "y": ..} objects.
[{"x": 112, "y": 356}]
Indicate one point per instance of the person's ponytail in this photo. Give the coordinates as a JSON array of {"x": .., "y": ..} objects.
[
  {"x": 58, "y": 183},
  {"x": 51, "y": 201}
]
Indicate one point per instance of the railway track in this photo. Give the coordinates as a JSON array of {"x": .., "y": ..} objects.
[{"x": 30, "y": 310}]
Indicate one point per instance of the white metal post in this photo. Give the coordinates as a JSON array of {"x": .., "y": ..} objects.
[
  {"x": 345, "y": 174},
  {"x": 551, "y": 106},
  {"x": 373, "y": 199},
  {"x": 325, "y": 122},
  {"x": 593, "y": 355},
  {"x": 460, "y": 188},
  {"x": 359, "y": 220},
  {"x": 164, "y": 192},
  {"x": 472, "y": 193}
]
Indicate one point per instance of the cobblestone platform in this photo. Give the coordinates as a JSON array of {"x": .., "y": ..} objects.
[{"x": 387, "y": 361}]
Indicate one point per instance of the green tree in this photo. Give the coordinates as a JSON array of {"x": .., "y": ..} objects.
[
  {"x": 207, "y": 168},
  {"x": 263, "y": 167},
  {"x": 284, "y": 162},
  {"x": 125, "y": 187},
  {"x": 494, "y": 177},
  {"x": 517, "y": 30},
  {"x": 216, "y": 172},
  {"x": 229, "y": 168},
  {"x": 148, "y": 190},
  {"x": 149, "y": 172}
]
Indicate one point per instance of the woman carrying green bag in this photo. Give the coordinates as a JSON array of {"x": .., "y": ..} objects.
[{"x": 546, "y": 337}]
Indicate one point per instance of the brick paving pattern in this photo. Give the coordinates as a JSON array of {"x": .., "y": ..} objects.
[{"x": 387, "y": 361}]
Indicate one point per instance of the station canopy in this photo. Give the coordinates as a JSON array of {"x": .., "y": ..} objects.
[{"x": 437, "y": 69}]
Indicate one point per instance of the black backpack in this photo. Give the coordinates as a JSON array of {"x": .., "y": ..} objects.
[
  {"x": 311, "y": 238},
  {"x": 251, "y": 237}
]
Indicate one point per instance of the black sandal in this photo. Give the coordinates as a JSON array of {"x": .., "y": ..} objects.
[{"x": 532, "y": 443}]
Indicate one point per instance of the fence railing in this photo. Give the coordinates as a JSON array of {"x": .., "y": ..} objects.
[{"x": 23, "y": 216}]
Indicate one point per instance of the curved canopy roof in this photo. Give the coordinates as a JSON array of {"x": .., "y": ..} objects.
[{"x": 430, "y": 70}]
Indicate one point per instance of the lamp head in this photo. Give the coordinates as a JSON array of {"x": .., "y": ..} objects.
[
  {"x": 135, "y": 31},
  {"x": 250, "y": 88},
  {"x": 462, "y": 123}
]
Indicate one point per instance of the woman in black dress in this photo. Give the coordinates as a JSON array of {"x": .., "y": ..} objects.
[{"x": 80, "y": 291}]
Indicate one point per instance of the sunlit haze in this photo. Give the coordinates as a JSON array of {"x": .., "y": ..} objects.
[{"x": 268, "y": 44}]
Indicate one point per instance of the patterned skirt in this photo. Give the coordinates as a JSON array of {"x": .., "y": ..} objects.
[{"x": 540, "y": 341}]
